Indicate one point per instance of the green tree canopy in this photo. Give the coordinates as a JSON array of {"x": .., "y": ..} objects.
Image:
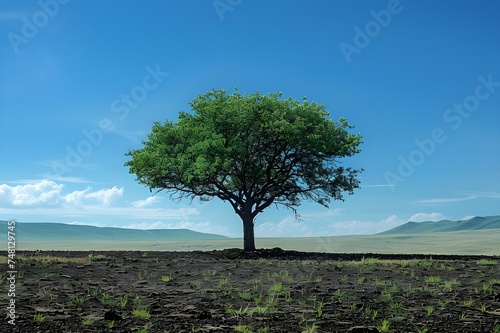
[{"x": 251, "y": 151}]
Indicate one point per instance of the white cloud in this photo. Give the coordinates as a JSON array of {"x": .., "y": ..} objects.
[
  {"x": 46, "y": 200},
  {"x": 309, "y": 225},
  {"x": 424, "y": 217},
  {"x": 148, "y": 202},
  {"x": 42, "y": 192},
  {"x": 85, "y": 223},
  {"x": 76, "y": 197},
  {"x": 358, "y": 227},
  {"x": 107, "y": 196},
  {"x": 287, "y": 227},
  {"x": 48, "y": 193},
  {"x": 104, "y": 197}
]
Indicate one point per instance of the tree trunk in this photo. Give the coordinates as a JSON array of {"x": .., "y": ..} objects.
[{"x": 248, "y": 231}]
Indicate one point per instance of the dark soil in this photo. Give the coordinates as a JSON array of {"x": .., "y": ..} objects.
[{"x": 265, "y": 291}]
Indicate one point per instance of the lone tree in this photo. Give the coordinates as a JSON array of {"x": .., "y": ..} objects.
[{"x": 251, "y": 151}]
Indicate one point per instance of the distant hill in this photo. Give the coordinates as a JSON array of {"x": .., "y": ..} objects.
[
  {"x": 41, "y": 232},
  {"x": 475, "y": 223}
]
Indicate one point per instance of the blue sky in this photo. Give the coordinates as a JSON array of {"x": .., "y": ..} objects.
[{"x": 82, "y": 82}]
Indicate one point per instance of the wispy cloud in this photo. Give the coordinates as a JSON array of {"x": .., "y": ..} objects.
[
  {"x": 206, "y": 227},
  {"x": 441, "y": 201},
  {"x": 323, "y": 214},
  {"x": 490, "y": 194},
  {"x": 134, "y": 136},
  {"x": 4, "y": 16},
  {"x": 62, "y": 162},
  {"x": 466, "y": 196},
  {"x": 98, "y": 211},
  {"x": 46, "y": 177},
  {"x": 289, "y": 227},
  {"x": 379, "y": 185},
  {"x": 66, "y": 179}
]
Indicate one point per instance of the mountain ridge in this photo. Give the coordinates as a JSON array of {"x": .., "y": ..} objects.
[{"x": 474, "y": 223}]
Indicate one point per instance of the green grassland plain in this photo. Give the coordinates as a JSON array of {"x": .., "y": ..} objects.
[{"x": 478, "y": 242}]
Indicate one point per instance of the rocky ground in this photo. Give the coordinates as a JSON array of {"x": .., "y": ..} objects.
[{"x": 266, "y": 291}]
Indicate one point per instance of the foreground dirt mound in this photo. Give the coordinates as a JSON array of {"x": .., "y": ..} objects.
[
  {"x": 269, "y": 290},
  {"x": 278, "y": 253}
]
